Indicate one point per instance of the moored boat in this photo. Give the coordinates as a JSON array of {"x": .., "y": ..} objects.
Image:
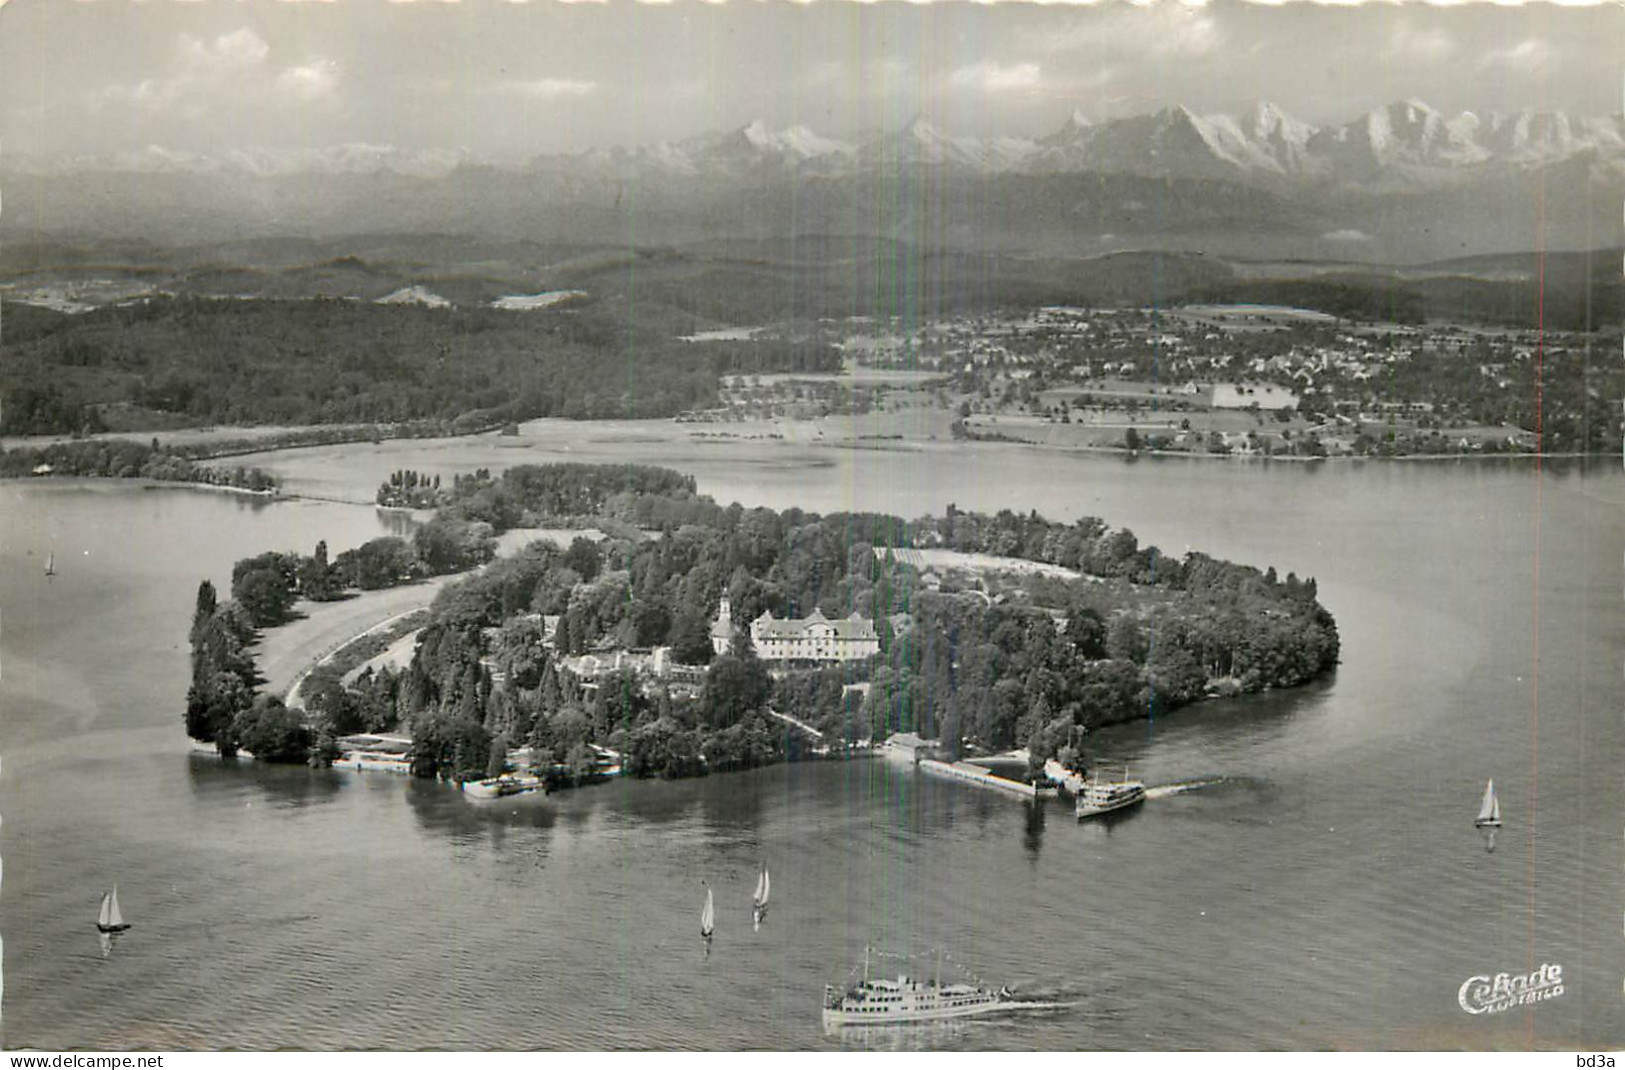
[{"x": 1105, "y": 791}]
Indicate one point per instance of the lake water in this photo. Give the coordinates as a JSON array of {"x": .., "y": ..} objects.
[{"x": 1328, "y": 890}]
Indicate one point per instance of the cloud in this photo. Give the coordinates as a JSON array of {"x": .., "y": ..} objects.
[
  {"x": 991, "y": 77},
  {"x": 230, "y": 70},
  {"x": 1427, "y": 46},
  {"x": 1162, "y": 31},
  {"x": 1527, "y": 55},
  {"x": 1190, "y": 34},
  {"x": 878, "y": 71},
  {"x": 230, "y": 53},
  {"x": 547, "y": 88},
  {"x": 308, "y": 82}
]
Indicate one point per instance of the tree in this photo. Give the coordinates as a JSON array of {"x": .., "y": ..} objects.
[
  {"x": 448, "y": 545},
  {"x": 212, "y": 705},
  {"x": 381, "y": 562},
  {"x": 339, "y": 712},
  {"x": 207, "y": 602},
  {"x": 583, "y": 557},
  {"x": 690, "y": 639},
  {"x": 522, "y": 652},
  {"x": 580, "y": 761},
  {"x": 265, "y": 595},
  {"x": 1131, "y": 439},
  {"x": 497, "y": 763},
  {"x": 1125, "y": 639},
  {"x": 272, "y": 732},
  {"x": 563, "y": 640},
  {"x": 317, "y": 580},
  {"x": 736, "y": 684},
  {"x": 1086, "y": 632}
]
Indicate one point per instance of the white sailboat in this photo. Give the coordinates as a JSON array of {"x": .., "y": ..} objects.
[
  {"x": 708, "y": 916},
  {"x": 50, "y": 563},
  {"x": 1489, "y": 811},
  {"x": 764, "y": 887},
  {"x": 110, "y": 919}
]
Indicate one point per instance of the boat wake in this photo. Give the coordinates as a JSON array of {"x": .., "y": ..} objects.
[
  {"x": 1163, "y": 791},
  {"x": 1025, "y": 1005}
]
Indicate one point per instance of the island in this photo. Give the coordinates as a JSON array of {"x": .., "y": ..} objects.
[{"x": 682, "y": 637}]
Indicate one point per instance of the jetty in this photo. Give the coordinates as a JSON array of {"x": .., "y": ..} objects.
[
  {"x": 375, "y": 752},
  {"x": 907, "y": 747},
  {"x": 975, "y": 774}
]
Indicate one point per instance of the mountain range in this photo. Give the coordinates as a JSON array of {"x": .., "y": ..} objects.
[{"x": 1404, "y": 181}]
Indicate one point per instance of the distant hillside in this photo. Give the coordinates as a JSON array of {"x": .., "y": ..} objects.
[
  {"x": 178, "y": 362},
  {"x": 671, "y": 291}
]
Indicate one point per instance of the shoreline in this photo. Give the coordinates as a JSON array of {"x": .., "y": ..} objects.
[
  {"x": 1294, "y": 458},
  {"x": 903, "y": 446}
]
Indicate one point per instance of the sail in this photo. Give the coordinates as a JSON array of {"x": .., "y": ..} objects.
[
  {"x": 708, "y": 916},
  {"x": 104, "y": 919},
  {"x": 50, "y": 563},
  {"x": 763, "y": 887},
  {"x": 1489, "y": 811},
  {"x": 115, "y": 916}
]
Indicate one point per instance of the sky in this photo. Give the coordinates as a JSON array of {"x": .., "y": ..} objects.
[{"x": 507, "y": 80}]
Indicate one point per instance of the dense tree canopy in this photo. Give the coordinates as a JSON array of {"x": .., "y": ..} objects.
[
  {"x": 1143, "y": 633},
  {"x": 990, "y": 660}
]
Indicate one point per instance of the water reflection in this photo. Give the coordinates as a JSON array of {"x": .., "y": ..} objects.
[
  {"x": 1255, "y": 719},
  {"x": 1109, "y": 821},
  {"x": 1032, "y": 837},
  {"x": 439, "y": 808},
  {"x": 286, "y": 786},
  {"x": 657, "y": 802},
  {"x": 734, "y": 802},
  {"x": 397, "y": 522},
  {"x": 920, "y": 1036}
]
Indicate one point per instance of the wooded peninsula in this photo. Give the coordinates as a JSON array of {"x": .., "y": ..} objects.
[{"x": 1023, "y": 632}]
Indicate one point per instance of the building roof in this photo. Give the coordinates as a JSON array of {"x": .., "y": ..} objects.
[{"x": 850, "y": 628}]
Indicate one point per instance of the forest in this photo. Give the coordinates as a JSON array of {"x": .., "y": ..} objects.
[
  {"x": 178, "y": 361},
  {"x": 126, "y": 459},
  {"x": 987, "y": 663},
  {"x": 222, "y": 703}
]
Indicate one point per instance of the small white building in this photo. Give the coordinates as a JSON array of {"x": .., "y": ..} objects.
[
  {"x": 723, "y": 629},
  {"x": 909, "y": 747}
]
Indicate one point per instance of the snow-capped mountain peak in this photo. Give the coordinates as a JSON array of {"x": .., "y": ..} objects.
[{"x": 1404, "y": 142}]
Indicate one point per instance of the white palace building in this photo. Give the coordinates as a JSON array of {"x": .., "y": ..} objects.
[{"x": 814, "y": 638}]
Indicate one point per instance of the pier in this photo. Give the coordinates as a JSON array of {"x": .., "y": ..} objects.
[{"x": 982, "y": 778}]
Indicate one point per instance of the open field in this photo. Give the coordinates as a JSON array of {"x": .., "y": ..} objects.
[
  {"x": 285, "y": 653},
  {"x": 933, "y": 557},
  {"x": 396, "y": 656}
]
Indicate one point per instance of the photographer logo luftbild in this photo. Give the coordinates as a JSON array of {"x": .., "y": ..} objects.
[{"x": 1490, "y": 995}]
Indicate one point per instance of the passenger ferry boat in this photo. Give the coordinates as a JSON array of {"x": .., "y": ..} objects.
[
  {"x": 888, "y": 1001},
  {"x": 1101, "y": 794}
]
